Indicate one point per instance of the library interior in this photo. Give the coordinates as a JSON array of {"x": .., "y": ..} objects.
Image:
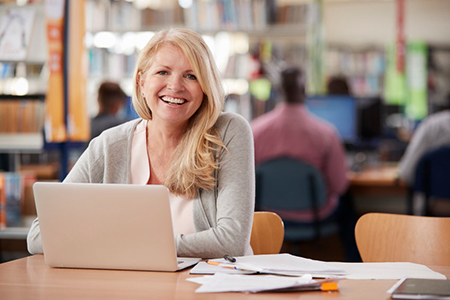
[{"x": 392, "y": 56}]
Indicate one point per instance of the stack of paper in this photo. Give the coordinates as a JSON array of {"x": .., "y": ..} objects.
[
  {"x": 222, "y": 282},
  {"x": 281, "y": 264},
  {"x": 286, "y": 264}
]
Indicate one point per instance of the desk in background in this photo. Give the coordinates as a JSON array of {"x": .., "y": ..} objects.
[
  {"x": 377, "y": 180},
  {"x": 30, "y": 278},
  {"x": 378, "y": 189}
]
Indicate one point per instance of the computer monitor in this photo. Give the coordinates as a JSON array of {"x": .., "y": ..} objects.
[
  {"x": 370, "y": 110},
  {"x": 339, "y": 110}
]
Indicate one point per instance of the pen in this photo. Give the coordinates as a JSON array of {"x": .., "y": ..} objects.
[
  {"x": 229, "y": 258},
  {"x": 214, "y": 263}
]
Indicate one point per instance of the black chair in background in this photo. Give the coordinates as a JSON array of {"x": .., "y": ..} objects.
[
  {"x": 289, "y": 185},
  {"x": 432, "y": 178}
]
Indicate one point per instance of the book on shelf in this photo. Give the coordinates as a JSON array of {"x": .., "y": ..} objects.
[
  {"x": 167, "y": 16},
  {"x": 363, "y": 69},
  {"x": 96, "y": 15},
  {"x": 124, "y": 16},
  {"x": 246, "y": 15},
  {"x": 292, "y": 14},
  {"x": 117, "y": 66},
  {"x": 13, "y": 187},
  {"x": 7, "y": 70},
  {"x": 21, "y": 116}
]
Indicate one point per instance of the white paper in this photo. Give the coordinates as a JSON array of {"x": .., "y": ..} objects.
[
  {"x": 286, "y": 264},
  {"x": 203, "y": 268},
  {"x": 283, "y": 264},
  {"x": 222, "y": 282},
  {"x": 389, "y": 270}
]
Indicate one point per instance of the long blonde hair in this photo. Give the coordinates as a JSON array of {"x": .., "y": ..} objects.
[{"x": 193, "y": 164}]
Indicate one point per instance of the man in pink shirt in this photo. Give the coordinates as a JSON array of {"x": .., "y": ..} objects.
[{"x": 290, "y": 130}]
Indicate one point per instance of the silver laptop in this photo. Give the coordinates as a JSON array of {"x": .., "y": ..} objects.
[{"x": 107, "y": 226}]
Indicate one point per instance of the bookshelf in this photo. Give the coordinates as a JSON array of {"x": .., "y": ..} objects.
[
  {"x": 225, "y": 24},
  {"x": 23, "y": 78},
  {"x": 364, "y": 68},
  {"x": 21, "y": 123}
]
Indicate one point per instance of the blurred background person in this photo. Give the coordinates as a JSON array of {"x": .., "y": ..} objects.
[
  {"x": 289, "y": 130},
  {"x": 431, "y": 134},
  {"x": 111, "y": 99},
  {"x": 337, "y": 85}
]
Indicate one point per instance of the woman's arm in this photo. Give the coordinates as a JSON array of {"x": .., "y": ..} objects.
[
  {"x": 34, "y": 242},
  {"x": 224, "y": 219}
]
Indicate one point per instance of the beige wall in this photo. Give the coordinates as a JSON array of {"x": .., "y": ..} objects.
[
  {"x": 372, "y": 22},
  {"x": 364, "y": 23}
]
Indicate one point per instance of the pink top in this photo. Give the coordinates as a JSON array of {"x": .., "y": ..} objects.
[
  {"x": 290, "y": 130},
  {"x": 181, "y": 207}
]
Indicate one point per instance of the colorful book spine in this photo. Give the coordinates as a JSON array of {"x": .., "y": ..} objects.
[
  {"x": 2, "y": 202},
  {"x": 11, "y": 200},
  {"x": 16, "y": 198}
]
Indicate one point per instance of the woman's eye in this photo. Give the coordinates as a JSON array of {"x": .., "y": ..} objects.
[
  {"x": 191, "y": 76},
  {"x": 162, "y": 73}
]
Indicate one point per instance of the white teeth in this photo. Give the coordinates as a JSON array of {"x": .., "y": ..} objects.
[{"x": 173, "y": 100}]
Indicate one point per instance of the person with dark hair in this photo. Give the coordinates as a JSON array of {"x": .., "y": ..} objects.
[
  {"x": 338, "y": 86},
  {"x": 111, "y": 98},
  {"x": 290, "y": 130}
]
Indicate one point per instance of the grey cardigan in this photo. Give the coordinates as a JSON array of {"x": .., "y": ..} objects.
[{"x": 223, "y": 217}]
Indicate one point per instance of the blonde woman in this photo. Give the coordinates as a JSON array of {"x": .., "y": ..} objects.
[{"x": 183, "y": 141}]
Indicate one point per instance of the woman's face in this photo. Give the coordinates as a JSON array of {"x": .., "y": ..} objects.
[{"x": 171, "y": 88}]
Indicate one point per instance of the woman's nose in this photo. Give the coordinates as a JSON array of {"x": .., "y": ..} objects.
[{"x": 175, "y": 83}]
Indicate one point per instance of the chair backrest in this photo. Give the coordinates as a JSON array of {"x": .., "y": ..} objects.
[
  {"x": 267, "y": 233},
  {"x": 384, "y": 237},
  {"x": 431, "y": 175},
  {"x": 288, "y": 184}
]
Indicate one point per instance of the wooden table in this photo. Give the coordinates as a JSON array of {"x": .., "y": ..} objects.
[
  {"x": 382, "y": 179},
  {"x": 30, "y": 278}
]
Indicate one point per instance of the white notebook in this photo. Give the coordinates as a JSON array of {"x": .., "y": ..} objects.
[{"x": 107, "y": 226}]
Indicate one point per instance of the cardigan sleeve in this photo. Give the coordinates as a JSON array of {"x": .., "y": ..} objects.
[{"x": 224, "y": 217}]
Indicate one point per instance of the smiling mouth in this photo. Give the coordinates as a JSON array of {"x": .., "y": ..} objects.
[{"x": 171, "y": 100}]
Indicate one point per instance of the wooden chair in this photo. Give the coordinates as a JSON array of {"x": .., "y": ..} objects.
[
  {"x": 267, "y": 233},
  {"x": 384, "y": 237}
]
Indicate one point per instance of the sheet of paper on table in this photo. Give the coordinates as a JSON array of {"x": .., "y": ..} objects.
[
  {"x": 287, "y": 264},
  {"x": 222, "y": 282},
  {"x": 280, "y": 264},
  {"x": 388, "y": 270}
]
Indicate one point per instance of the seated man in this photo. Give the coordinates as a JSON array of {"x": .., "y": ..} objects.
[
  {"x": 432, "y": 133},
  {"x": 111, "y": 98},
  {"x": 289, "y": 130}
]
